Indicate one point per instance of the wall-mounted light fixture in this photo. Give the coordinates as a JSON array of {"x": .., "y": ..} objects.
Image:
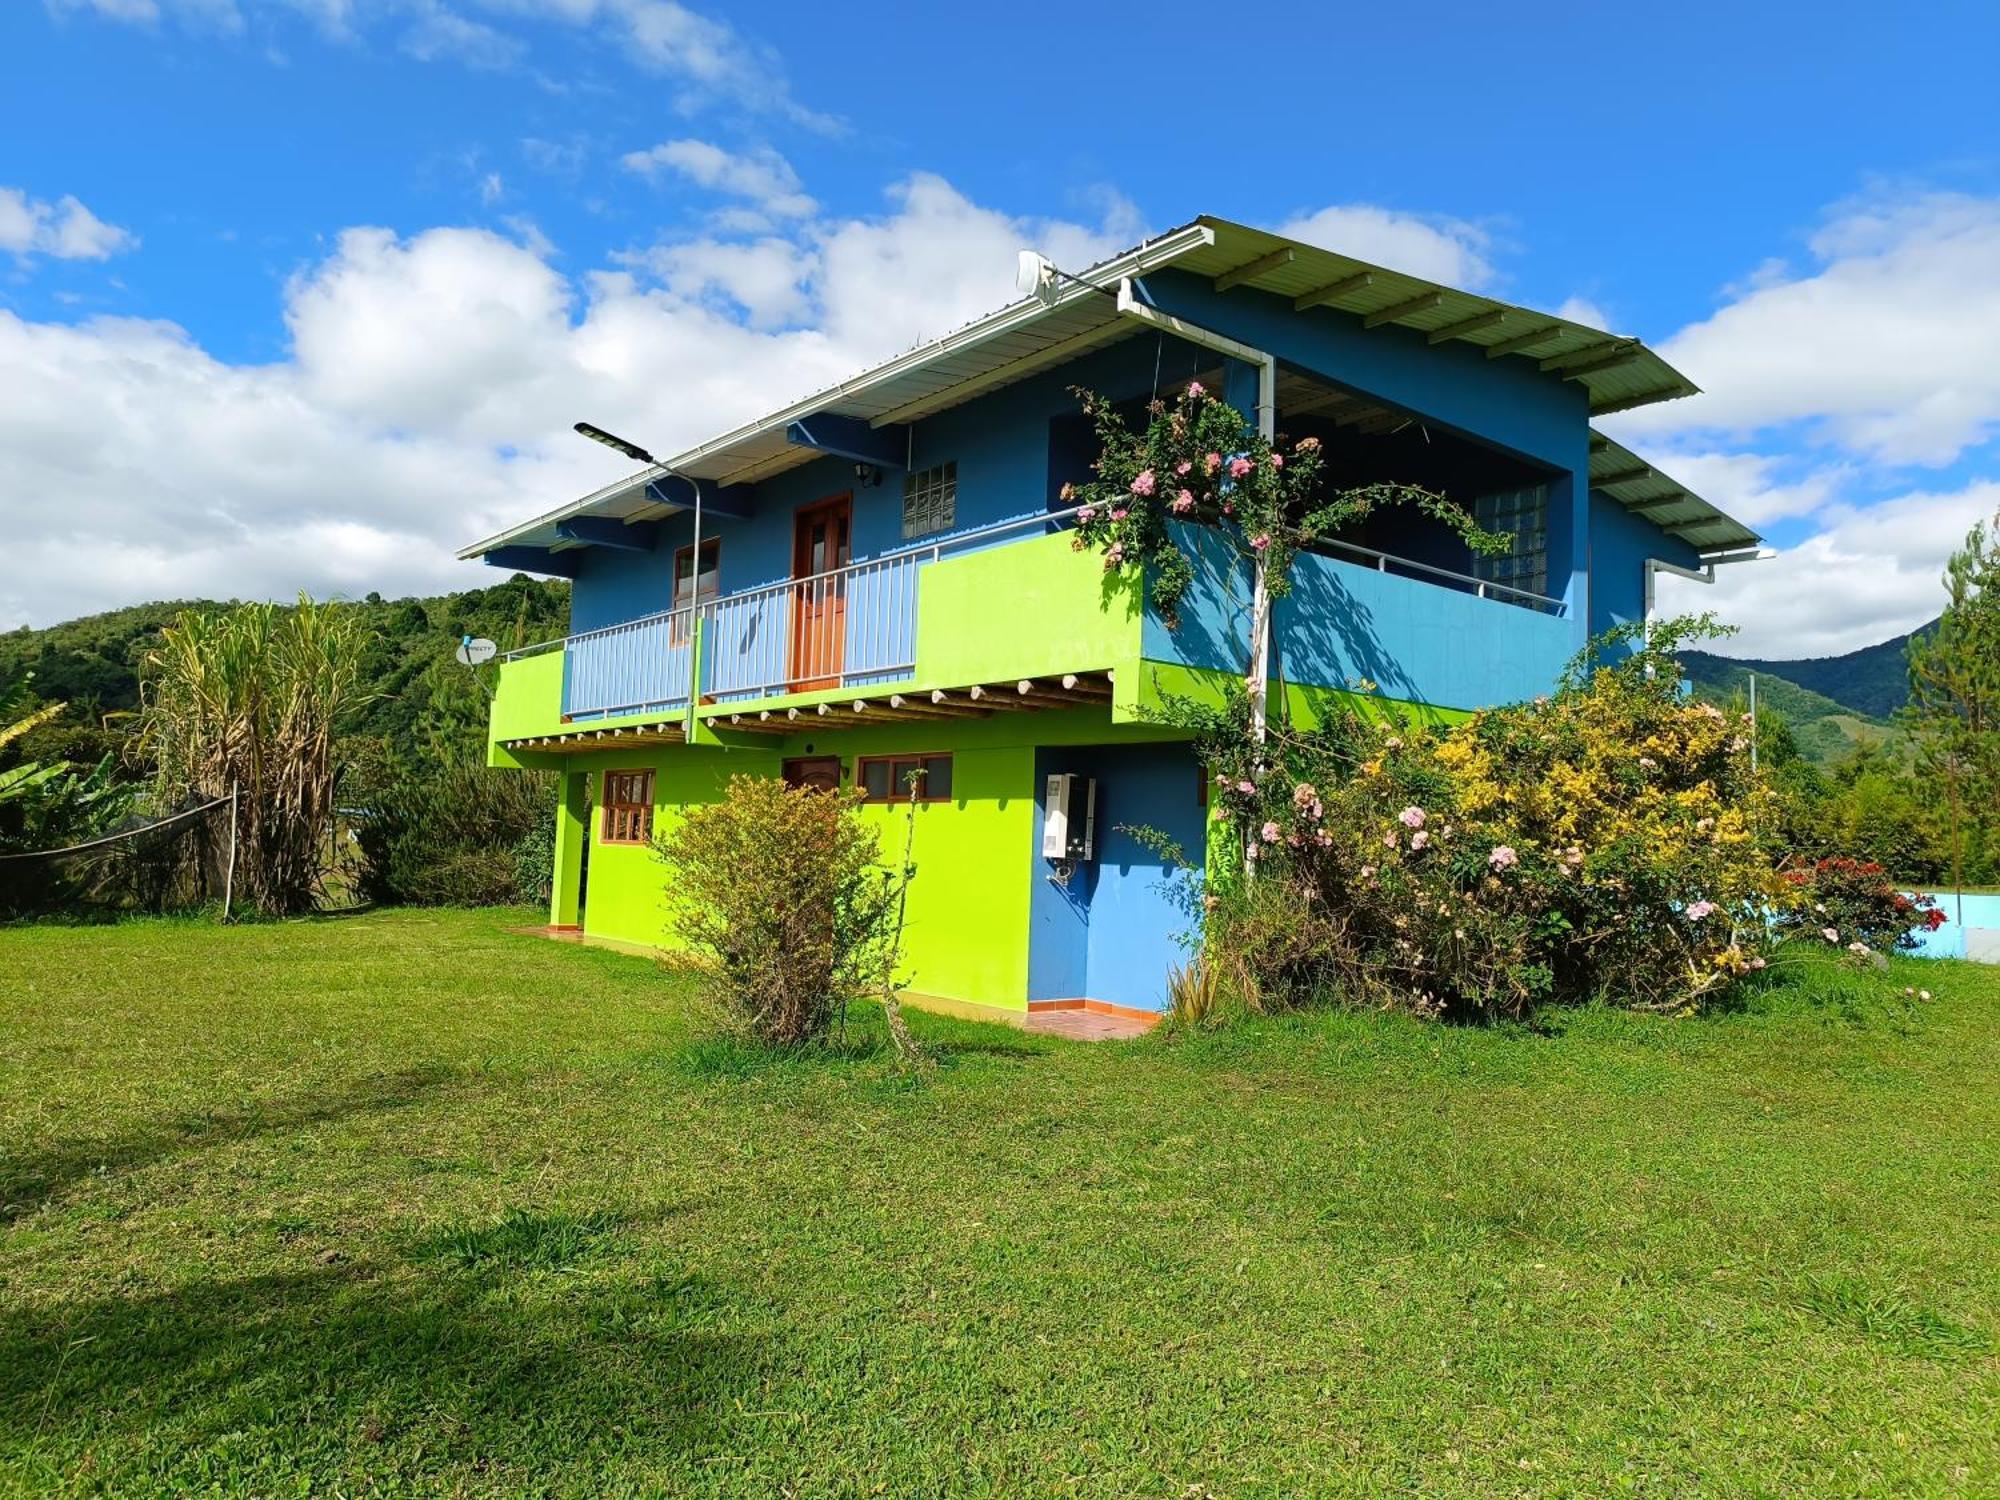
[{"x": 867, "y": 476}]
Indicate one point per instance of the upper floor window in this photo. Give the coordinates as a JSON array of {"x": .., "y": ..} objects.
[
  {"x": 628, "y": 807},
  {"x": 930, "y": 500},
  {"x": 692, "y": 586},
  {"x": 1522, "y": 514}
]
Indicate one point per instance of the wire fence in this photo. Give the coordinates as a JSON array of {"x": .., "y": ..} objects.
[{"x": 174, "y": 862}]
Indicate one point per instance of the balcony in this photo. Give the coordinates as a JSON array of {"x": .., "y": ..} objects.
[{"x": 1015, "y": 605}]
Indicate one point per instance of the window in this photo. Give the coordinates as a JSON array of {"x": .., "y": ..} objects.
[
  {"x": 628, "y": 807},
  {"x": 886, "y": 778},
  {"x": 1524, "y": 515},
  {"x": 690, "y": 590},
  {"x": 930, "y": 500}
]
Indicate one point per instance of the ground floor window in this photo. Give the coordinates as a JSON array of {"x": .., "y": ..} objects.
[
  {"x": 628, "y": 807},
  {"x": 886, "y": 778}
]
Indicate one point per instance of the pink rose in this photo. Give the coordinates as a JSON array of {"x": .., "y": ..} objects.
[
  {"x": 1143, "y": 484},
  {"x": 1183, "y": 466},
  {"x": 1246, "y": 787},
  {"x": 1087, "y": 514},
  {"x": 1411, "y": 817},
  {"x": 1277, "y": 460},
  {"x": 1195, "y": 390},
  {"x": 1239, "y": 466},
  {"x": 1213, "y": 462},
  {"x": 1183, "y": 504},
  {"x": 1120, "y": 514},
  {"x": 1260, "y": 541},
  {"x": 1700, "y": 909},
  {"x": 1270, "y": 832},
  {"x": 1829, "y": 934},
  {"x": 1419, "y": 839},
  {"x": 1503, "y": 858}
]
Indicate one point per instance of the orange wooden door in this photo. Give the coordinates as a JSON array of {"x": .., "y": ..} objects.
[{"x": 820, "y": 549}]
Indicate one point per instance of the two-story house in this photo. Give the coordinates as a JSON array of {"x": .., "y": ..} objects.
[{"x": 878, "y": 581}]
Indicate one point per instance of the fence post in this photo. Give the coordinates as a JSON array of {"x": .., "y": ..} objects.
[{"x": 229, "y": 876}]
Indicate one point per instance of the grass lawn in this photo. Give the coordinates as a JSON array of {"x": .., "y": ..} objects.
[{"x": 405, "y": 1203}]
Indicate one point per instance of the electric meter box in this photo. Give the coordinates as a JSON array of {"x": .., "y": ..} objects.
[{"x": 1069, "y": 823}]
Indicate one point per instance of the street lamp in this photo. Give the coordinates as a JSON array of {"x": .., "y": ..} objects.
[{"x": 637, "y": 454}]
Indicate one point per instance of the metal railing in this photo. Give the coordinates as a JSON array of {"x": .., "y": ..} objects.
[
  {"x": 635, "y": 667},
  {"x": 849, "y": 627},
  {"x": 1384, "y": 562}
]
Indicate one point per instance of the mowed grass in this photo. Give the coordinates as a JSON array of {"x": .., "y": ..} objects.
[{"x": 408, "y": 1203}]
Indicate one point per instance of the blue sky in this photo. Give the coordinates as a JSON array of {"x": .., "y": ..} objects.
[{"x": 303, "y": 293}]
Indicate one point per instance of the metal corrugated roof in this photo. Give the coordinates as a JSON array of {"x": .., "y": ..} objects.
[
  {"x": 1038, "y": 332},
  {"x": 1663, "y": 500}
]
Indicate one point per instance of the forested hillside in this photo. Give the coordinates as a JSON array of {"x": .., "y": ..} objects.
[{"x": 414, "y": 690}]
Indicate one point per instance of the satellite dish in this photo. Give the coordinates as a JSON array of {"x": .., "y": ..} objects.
[
  {"x": 475, "y": 651},
  {"x": 1034, "y": 275}
]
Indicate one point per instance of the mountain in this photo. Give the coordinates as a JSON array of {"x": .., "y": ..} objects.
[
  {"x": 1873, "y": 682},
  {"x": 413, "y": 690},
  {"x": 1825, "y": 731}
]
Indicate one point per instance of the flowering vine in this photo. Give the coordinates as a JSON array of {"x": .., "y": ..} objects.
[{"x": 1198, "y": 461}]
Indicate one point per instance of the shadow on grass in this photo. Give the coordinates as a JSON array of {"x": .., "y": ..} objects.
[
  {"x": 358, "y": 1372},
  {"x": 32, "y": 1178}
]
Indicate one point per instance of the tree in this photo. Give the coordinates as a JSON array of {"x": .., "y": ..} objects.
[
  {"x": 1954, "y": 711},
  {"x": 246, "y": 699}
]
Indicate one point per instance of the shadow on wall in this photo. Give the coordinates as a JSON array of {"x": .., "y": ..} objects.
[{"x": 1325, "y": 633}]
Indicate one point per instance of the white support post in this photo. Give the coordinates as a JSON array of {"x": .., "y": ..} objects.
[{"x": 229, "y": 876}]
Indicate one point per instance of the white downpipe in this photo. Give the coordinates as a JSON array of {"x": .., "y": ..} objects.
[
  {"x": 695, "y": 651},
  {"x": 1267, "y": 427}
]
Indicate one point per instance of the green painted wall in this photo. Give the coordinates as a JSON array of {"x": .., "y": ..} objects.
[
  {"x": 572, "y": 832},
  {"x": 1033, "y": 608},
  {"x": 527, "y": 700},
  {"x": 967, "y": 932}
]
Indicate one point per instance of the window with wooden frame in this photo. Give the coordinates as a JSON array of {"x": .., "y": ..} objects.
[
  {"x": 628, "y": 807},
  {"x": 886, "y": 778},
  {"x": 691, "y": 588}
]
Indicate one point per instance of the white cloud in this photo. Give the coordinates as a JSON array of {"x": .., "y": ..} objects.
[
  {"x": 438, "y": 33},
  {"x": 1868, "y": 575},
  {"x": 1450, "y": 251},
  {"x": 710, "y": 60},
  {"x": 65, "y": 229},
  {"x": 1583, "y": 310},
  {"x": 1885, "y": 347},
  {"x": 1755, "y": 488},
  {"x": 762, "y": 176},
  {"x": 427, "y": 396}
]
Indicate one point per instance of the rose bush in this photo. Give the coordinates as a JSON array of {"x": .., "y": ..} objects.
[{"x": 1608, "y": 842}]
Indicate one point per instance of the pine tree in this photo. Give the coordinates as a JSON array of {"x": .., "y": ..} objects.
[{"x": 1954, "y": 711}]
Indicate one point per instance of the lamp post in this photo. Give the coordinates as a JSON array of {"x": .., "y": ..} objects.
[{"x": 637, "y": 454}]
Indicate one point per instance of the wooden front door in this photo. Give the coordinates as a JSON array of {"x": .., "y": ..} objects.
[
  {"x": 820, "y": 548},
  {"x": 819, "y": 772}
]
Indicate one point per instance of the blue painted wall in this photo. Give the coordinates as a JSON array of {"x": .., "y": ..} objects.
[
  {"x": 1505, "y": 403},
  {"x": 1109, "y": 935},
  {"x": 1620, "y": 543},
  {"x": 1343, "y": 623}
]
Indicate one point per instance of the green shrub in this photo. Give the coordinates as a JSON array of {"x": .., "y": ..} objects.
[
  {"x": 779, "y": 897},
  {"x": 1606, "y": 842},
  {"x": 451, "y": 831}
]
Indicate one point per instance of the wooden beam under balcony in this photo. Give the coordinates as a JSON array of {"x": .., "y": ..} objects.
[{"x": 1249, "y": 272}]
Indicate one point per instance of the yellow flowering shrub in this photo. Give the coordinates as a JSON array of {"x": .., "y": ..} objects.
[{"x": 1605, "y": 842}]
